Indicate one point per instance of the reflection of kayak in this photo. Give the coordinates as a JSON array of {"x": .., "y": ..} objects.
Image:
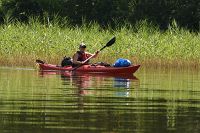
[
  {"x": 91, "y": 69},
  {"x": 82, "y": 74},
  {"x": 105, "y": 75}
]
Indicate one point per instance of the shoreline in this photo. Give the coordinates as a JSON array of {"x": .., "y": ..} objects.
[{"x": 153, "y": 63}]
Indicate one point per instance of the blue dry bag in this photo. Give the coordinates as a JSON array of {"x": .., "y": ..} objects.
[{"x": 122, "y": 63}]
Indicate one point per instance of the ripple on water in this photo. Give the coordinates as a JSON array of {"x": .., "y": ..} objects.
[{"x": 56, "y": 102}]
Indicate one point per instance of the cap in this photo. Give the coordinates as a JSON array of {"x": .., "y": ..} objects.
[{"x": 82, "y": 45}]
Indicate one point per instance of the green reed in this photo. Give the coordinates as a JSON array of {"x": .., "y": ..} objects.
[{"x": 21, "y": 44}]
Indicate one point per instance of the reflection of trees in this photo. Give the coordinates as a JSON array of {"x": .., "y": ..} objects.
[{"x": 43, "y": 104}]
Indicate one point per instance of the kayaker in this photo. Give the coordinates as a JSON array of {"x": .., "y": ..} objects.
[{"x": 81, "y": 55}]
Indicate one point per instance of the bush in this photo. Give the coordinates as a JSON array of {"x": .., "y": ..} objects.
[{"x": 108, "y": 12}]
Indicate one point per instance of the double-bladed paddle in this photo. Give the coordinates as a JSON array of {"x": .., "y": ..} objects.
[{"x": 110, "y": 43}]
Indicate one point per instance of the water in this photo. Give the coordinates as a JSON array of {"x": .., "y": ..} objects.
[{"x": 155, "y": 101}]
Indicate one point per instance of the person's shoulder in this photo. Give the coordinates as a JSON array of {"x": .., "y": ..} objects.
[{"x": 78, "y": 52}]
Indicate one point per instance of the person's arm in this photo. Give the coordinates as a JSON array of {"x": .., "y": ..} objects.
[
  {"x": 95, "y": 55},
  {"x": 75, "y": 60}
]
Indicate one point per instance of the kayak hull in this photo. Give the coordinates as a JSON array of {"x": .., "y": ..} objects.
[
  {"x": 90, "y": 68},
  {"x": 82, "y": 74}
]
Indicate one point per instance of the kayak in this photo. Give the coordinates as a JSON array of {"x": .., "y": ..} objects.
[
  {"x": 90, "y": 68},
  {"x": 82, "y": 74}
]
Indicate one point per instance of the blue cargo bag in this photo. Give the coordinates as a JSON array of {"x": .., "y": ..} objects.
[{"x": 122, "y": 63}]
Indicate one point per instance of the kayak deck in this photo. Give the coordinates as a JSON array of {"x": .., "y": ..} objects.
[{"x": 90, "y": 68}]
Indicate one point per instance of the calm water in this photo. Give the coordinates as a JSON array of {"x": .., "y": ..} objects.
[{"x": 155, "y": 101}]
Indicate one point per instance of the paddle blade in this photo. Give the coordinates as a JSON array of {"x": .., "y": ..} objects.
[{"x": 111, "y": 42}]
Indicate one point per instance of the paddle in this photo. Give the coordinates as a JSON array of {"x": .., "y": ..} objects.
[{"x": 110, "y": 43}]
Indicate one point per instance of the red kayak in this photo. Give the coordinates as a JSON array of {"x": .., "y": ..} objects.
[
  {"x": 90, "y": 68},
  {"x": 82, "y": 74}
]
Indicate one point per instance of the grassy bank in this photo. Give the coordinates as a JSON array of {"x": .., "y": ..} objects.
[{"x": 21, "y": 44}]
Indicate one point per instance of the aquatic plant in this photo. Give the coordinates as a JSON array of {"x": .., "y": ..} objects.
[{"x": 21, "y": 44}]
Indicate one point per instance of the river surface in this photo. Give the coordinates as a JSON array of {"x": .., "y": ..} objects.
[{"x": 154, "y": 101}]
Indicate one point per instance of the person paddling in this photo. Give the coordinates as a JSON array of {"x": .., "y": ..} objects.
[{"x": 81, "y": 55}]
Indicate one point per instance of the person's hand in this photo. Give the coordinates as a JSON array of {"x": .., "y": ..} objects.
[{"x": 97, "y": 53}]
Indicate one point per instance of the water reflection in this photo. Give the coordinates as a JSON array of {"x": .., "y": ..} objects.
[
  {"x": 89, "y": 84},
  {"x": 86, "y": 80},
  {"x": 122, "y": 83},
  {"x": 96, "y": 85},
  {"x": 161, "y": 101}
]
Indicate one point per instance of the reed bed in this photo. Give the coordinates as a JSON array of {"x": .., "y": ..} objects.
[{"x": 21, "y": 44}]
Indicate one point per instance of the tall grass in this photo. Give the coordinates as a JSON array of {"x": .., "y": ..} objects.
[{"x": 21, "y": 44}]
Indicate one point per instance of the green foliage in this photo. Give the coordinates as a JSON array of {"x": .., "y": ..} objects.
[
  {"x": 21, "y": 44},
  {"x": 108, "y": 12}
]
